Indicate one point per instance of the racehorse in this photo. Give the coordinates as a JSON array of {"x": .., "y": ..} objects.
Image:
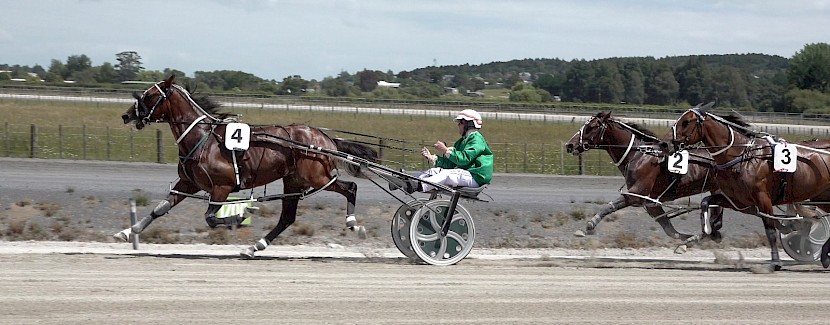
[
  {"x": 745, "y": 175},
  {"x": 647, "y": 179},
  {"x": 205, "y": 164}
]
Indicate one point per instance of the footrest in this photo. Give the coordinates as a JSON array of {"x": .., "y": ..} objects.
[{"x": 470, "y": 192}]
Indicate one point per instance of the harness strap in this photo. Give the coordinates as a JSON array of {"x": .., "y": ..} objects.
[
  {"x": 731, "y": 141},
  {"x": 627, "y": 150},
  {"x": 189, "y": 154},
  {"x": 186, "y": 131}
]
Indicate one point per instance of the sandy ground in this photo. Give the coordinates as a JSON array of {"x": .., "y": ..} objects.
[
  {"x": 62, "y": 267},
  {"x": 98, "y": 283}
]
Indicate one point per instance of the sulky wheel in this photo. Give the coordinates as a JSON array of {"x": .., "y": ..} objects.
[
  {"x": 400, "y": 226},
  {"x": 425, "y": 233},
  {"x": 804, "y": 243}
]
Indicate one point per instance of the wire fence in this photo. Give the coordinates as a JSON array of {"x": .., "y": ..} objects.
[{"x": 126, "y": 144}]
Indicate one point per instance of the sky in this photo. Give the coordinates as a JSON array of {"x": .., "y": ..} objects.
[{"x": 314, "y": 39}]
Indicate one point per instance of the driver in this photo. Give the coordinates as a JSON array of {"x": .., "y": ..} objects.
[{"x": 468, "y": 163}]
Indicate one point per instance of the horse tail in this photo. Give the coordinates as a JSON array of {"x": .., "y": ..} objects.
[{"x": 357, "y": 150}]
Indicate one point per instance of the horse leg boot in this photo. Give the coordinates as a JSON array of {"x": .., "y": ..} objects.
[
  {"x": 161, "y": 209},
  {"x": 591, "y": 225},
  {"x": 287, "y": 217},
  {"x": 210, "y": 216}
]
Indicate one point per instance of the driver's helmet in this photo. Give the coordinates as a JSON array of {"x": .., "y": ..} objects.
[{"x": 470, "y": 115}]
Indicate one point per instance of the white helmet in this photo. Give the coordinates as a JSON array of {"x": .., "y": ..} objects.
[{"x": 470, "y": 115}]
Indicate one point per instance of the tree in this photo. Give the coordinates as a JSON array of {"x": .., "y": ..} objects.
[
  {"x": 549, "y": 83},
  {"x": 810, "y": 68},
  {"x": 77, "y": 63},
  {"x": 634, "y": 91},
  {"x": 695, "y": 81},
  {"x": 367, "y": 80},
  {"x": 293, "y": 85},
  {"x": 578, "y": 81},
  {"x": 663, "y": 88},
  {"x": 107, "y": 73},
  {"x": 608, "y": 82},
  {"x": 730, "y": 88},
  {"x": 57, "y": 72},
  {"x": 129, "y": 65}
]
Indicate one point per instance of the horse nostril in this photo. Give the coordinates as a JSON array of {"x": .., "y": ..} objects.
[
  {"x": 570, "y": 148},
  {"x": 126, "y": 118}
]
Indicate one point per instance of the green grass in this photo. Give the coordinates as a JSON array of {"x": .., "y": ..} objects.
[{"x": 94, "y": 131}]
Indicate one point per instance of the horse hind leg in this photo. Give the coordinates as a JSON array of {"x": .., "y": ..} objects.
[
  {"x": 349, "y": 190},
  {"x": 657, "y": 212}
]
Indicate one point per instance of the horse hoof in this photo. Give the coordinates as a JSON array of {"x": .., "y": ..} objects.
[
  {"x": 680, "y": 249},
  {"x": 361, "y": 232},
  {"x": 248, "y": 253},
  {"x": 123, "y": 235},
  {"x": 579, "y": 233}
]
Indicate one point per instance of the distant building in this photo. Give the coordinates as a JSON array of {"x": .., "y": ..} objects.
[{"x": 382, "y": 83}]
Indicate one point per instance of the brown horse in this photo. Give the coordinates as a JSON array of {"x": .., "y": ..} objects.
[
  {"x": 647, "y": 179},
  {"x": 745, "y": 174},
  {"x": 206, "y": 164}
]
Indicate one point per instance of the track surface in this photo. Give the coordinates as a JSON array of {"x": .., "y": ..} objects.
[
  {"x": 106, "y": 283},
  {"x": 44, "y": 284}
]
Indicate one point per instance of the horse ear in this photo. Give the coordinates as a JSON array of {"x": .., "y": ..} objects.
[
  {"x": 708, "y": 106},
  {"x": 169, "y": 82}
]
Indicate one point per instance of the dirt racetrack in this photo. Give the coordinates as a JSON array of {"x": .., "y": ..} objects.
[
  {"x": 44, "y": 283},
  {"x": 525, "y": 268}
]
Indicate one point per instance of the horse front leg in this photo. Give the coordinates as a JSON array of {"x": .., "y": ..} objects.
[
  {"x": 287, "y": 217},
  {"x": 711, "y": 215},
  {"x": 164, "y": 206},
  {"x": 772, "y": 238},
  {"x": 218, "y": 195},
  {"x": 591, "y": 224}
]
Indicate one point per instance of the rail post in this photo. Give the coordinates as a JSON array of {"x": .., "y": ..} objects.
[
  {"x": 133, "y": 220},
  {"x": 33, "y": 141},
  {"x": 159, "y": 147},
  {"x": 6, "y": 140},
  {"x": 60, "y": 141}
]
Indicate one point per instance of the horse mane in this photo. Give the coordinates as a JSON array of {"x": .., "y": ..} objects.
[
  {"x": 206, "y": 103},
  {"x": 737, "y": 119},
  {"x": 642, "y": 129}
]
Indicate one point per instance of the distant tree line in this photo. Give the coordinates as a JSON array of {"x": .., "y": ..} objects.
[{"x": 741, "y": 81}]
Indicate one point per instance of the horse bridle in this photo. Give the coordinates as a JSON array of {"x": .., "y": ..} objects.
[
  {"x": 700, "y": 118},
  {"x": 141, "y": 110}
]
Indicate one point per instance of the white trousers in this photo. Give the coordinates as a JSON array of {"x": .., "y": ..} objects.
[{"x": 451, "y": 177}]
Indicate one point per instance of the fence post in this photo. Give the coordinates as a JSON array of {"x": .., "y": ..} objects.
[
  {"x": 60, "y": 141},
  {"x": 581, "y": 165},
  {"x": 83, "y": 142},
  {"x": 132, "y": 145},
  {"x": 6, "y": 140},
  {"x": 133, "y": 220},
  {"x": 159, "y": 147},
  {"x": 524, "y": 163},
  {"x": 542, "y": 167},
  {"x": 33, "y": 139},
  {"x": 381, "y": 144},
  {"x": 109, "y": 146}
]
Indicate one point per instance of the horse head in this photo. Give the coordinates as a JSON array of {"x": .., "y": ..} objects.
[
  {"x": 688, "y": 129},
  {"x": 149, "y": 106},
  {"x": 590, "y": 135}
]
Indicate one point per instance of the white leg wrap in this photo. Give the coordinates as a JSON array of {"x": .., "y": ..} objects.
[
  {"x": 351, "y": 221},
  {"x": 707, "y": 227},
  {"x": 260, "y": 245}
]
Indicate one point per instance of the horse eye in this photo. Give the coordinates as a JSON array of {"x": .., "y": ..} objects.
[{"x": 685, "y": 123}]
